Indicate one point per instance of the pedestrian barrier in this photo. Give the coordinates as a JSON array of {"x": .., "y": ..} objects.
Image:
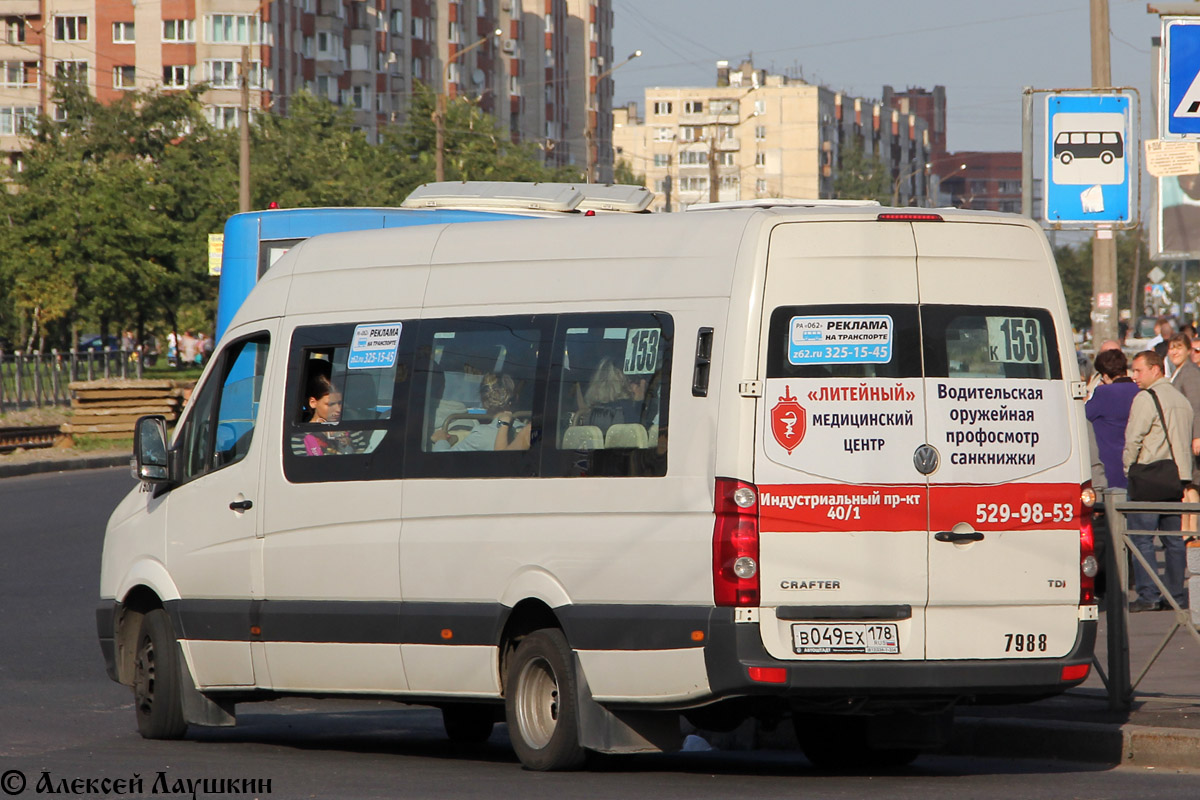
[
  {"x": 34, "y": 380},
  {"x": 1119, "y": 681}
]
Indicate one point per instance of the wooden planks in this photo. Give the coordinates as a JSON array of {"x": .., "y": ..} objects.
[{"x": 108, "y": 409}]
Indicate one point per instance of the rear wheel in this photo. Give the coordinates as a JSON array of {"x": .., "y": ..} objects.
[
  {"x": 543, "y": 716},
  {"x": 157, "y": 695},
  {"x": 467, "y": 723}
]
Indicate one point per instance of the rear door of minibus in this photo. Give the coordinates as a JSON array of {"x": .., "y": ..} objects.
[
  {"x": 1004, "y": 501},
  {"x": 843, "y": 547}
]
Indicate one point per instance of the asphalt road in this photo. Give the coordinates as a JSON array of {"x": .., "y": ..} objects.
[{"x": 62, "y": 720}]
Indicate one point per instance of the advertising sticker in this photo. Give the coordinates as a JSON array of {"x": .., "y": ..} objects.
[
  {"x": 857, "y": 339},
  {"x": 374, "y": 346}
]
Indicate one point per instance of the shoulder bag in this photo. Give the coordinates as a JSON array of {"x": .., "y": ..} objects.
[{"x": 1157, "y": 481}]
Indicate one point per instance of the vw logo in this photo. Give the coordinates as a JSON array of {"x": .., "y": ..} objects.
[{"x": 925, "y": 459}]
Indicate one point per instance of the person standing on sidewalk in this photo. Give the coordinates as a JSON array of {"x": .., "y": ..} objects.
[
  {"x": 1186, "y": 378},
  {"x": 1147, "y": 441}
]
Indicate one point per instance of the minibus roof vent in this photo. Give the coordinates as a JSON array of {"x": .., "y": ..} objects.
[
  {"x": 614, "y": 197},
  {"x": 781, "y": 202},
  {"x": 495, "y": 195}
]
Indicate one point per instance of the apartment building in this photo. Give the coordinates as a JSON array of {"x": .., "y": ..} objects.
[
  {"x": 531, "y": 63},
  {"x": 758, "y": 135}
]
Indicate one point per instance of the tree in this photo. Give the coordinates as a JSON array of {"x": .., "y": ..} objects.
[
  {"x": 861, "y": 177},
  {"x": 623, "y": 173},
  {"x": 1075, "y": 271},
  {"x": 477, "y": 148},
  {"x": 97, "y": 232}
]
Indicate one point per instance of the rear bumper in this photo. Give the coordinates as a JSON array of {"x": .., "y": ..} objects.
[{"x": 733, "y": 648}]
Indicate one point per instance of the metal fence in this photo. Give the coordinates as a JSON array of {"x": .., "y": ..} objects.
[
  {"x": 36, "y": 380},
  {"x": 1120, "y": 682}
]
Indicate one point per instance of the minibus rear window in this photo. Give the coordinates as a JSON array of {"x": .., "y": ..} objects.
[
  {"x": 844, "y": 341},
  {"x": 990, "y": 342}
]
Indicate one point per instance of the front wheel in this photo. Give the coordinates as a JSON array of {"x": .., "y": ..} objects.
[
  {"x": 540, "y": 704},
  {"x": 157, "y": 695}
]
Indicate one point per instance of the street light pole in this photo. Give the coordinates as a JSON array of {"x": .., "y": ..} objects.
[
  {"x": 439, "y": 114},
  {"x": 591, "y": 155},
  {"x": 900, "y": 179},
  {"x": 941, "y": 178}
]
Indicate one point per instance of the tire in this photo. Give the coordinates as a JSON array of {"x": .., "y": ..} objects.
[
  {"x": 1066, "y": 158},
  {"x": 540, "y": 703},
  {"x": 157, "y": 698},
  {"x": 468, "y": 723},
  {"x": 1106, "y": 157},
  {"x": 839, "y": 744}
]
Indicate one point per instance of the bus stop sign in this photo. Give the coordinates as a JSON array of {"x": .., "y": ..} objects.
[{"x": 1089, "y": 150}]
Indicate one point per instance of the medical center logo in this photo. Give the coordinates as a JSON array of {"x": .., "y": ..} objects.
[{"x": 787, "y": 421}]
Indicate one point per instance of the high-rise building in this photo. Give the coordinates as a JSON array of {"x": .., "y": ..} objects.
[
  {"x": 757, "y": 135},
  {"x": 534, "y": 66}
]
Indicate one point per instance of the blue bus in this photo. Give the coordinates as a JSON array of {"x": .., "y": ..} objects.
[{"x": 254, "y": 240}]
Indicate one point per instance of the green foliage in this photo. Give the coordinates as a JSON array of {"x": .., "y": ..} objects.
[
  {"x": 1075, "y": 270},
  {"x": 476, "y": 147},
  {"x": 860, "y": 177},
  {"x": 106, "y": 226},
  {"x": 623, "y": 174}
]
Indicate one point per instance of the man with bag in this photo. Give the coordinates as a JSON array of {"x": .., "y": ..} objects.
[{"x": 1158, "y": 462}]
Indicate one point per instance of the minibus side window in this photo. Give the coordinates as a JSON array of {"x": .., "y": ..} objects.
[
  {"x": 210, "y": 441},
  {"x": 480, "y": 386},
  {"x": 343, "y": 381},
  {"x": 990, "y": 342},
  {"x": 609, "y": 389}
]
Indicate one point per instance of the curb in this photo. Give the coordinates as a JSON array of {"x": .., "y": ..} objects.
[
  {"x": 39, "y": 467},
  {"x": 1055, "y": 740},
  {"x": 1135, "y": 745}
]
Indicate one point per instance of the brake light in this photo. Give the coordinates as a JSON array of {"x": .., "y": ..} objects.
[
  {"x": 1088, "y": 565},
  {"x": 908, "y": 216},
  {"x": 735, "y": 544}
]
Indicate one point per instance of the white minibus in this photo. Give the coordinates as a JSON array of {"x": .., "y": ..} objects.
[{"x": 594, "y": 477}]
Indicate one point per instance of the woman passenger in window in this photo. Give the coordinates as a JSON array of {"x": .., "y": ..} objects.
[
  {"x": 496, "y": 393},
  {"x": 324, "y": 406},
  {"x": 612, "y": 398}
]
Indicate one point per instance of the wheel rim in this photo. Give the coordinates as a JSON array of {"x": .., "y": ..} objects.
[
  {"x": 144, "y": 677},
  {"x": 537, "y": 703}
]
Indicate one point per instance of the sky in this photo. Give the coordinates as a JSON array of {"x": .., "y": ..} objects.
[{"x": 984, "y": 53}]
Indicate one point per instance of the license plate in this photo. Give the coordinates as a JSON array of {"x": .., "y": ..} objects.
[{"x": 845, "y": 637}]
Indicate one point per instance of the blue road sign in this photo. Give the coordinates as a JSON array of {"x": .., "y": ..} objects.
[
  {"x": 1179, "y": 96},
  {"x": 1089, "y": 152}
]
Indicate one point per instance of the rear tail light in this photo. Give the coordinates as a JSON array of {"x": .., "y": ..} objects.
[
  {"x": 735, "y": 544},
  {"x": 1088, "y": 565},
  {"x": 767, "y": 674},
  {"x": 1074, "y": 672}
]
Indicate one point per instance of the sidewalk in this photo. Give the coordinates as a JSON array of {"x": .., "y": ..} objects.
[{"x": 1162, "y": 730}]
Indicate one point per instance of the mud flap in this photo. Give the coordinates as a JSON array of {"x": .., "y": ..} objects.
[
  {"x": 199, "y": 708},
  {"x": 623, "y": 731}
]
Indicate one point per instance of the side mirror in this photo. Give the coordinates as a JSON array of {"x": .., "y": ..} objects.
[{"x": 151, "y": 463}]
